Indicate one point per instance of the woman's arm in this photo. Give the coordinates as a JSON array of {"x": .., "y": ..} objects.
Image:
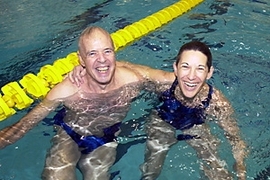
[
  {"x": 155, "y": 75},
  {"x": 149, "y": 73},
  {"x": 228, "y": 123}
]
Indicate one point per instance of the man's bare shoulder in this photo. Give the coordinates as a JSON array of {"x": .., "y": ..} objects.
[{"x": 62, "y": 90}]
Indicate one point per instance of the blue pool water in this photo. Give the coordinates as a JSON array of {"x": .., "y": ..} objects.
[{"x": 36, "y": 33}]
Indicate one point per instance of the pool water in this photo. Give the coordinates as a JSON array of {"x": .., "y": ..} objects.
[{"x": 36, "y": 33}]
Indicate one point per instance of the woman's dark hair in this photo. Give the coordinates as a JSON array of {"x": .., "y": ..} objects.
[{"x": 196, "y": 46}]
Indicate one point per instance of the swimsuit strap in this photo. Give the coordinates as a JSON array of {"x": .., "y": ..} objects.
[
  {"x": 206, "y": 102},
  {"x": 91, "y": 142},
  {"x": 169, "y": 93},
  {"x": 180, "y": 116},
  {"x": 173, "y": 87}
]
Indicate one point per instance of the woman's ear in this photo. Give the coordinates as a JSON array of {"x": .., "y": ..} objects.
[
  {"x": 210, "y": 73},
  {"x": 175, "y": 68}
]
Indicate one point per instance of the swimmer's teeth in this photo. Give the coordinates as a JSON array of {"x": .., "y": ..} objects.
[
  {"x": 191, "y": 84},
  {"x": 101, "y": 69}
]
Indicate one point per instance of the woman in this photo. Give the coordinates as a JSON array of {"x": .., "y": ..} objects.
[{"x": 187, "y": 107}]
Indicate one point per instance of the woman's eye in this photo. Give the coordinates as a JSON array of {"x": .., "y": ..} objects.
[
  {"x": 184, "y": 66},
  {"x": 201, "y": 69}
]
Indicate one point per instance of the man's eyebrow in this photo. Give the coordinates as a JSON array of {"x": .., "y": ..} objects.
[
  {"x": 91, "y": 50},
  {"x": 108, "y": 48}
]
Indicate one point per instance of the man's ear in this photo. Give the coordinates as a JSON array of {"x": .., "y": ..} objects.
[
  {"x": 210, "y": 73},
  {"x": 81, "y": 61}
]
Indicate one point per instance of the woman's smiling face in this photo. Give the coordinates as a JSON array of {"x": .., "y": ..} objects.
[{"x": 192, "y": 72}]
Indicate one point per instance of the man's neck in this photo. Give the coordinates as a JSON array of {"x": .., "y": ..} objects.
[{"x": 95, "y": 87}]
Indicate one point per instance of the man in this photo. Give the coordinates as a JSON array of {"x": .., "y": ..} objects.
[{"x": 87, "y": 128}]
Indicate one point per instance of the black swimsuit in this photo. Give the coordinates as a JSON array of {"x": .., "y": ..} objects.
[
  {"x": 88, "y": 143},
  {"x": 179, "y": 116}
]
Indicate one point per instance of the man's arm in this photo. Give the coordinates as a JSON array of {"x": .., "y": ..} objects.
[
  {"x": 12, "y": 133},
  {"x": 147, "y": 72},
  {"x": 228, "y": 123},
  {"x": 156, "y": 75}
]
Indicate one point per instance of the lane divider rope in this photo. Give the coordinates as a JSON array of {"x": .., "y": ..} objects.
[{"x": 16, "y": 95}]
